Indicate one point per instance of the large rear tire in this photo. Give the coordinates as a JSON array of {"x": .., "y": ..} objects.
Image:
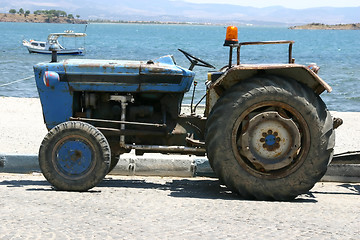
[
  {"x": 74, "y": 156},
  {"x": 270, "y": 138}
]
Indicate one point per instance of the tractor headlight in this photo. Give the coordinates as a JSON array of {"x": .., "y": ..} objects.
[{"x": 50, "y": 78}]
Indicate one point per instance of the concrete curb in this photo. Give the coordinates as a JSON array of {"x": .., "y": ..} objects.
[
  {"x": 19, "y": 163},
  {"x": 155, "y": 165},
  {"x": 342, "y": 173},
  {"x": 165, "y": 165}
]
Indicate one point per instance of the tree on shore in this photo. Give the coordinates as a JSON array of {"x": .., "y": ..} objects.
[
  {"x": 48, "y": 15},
  {"x": 52, "y": 13}
]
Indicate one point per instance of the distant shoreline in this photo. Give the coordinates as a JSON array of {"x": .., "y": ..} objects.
[
  {"x": 321, "y": 26},
  {"x": 147, "y": 22},
  {"x": 32, "y": 18}
]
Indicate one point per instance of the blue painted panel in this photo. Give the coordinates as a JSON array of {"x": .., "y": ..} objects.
[
  {"x": 168, "y": 59},
  {"x": 103, "y": 87},
  {"x": 183, "y": 86},
  {"x": 56, "y": 100}
]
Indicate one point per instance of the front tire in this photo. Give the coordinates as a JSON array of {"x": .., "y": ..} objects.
[
  {"x": 74, "y": 156},
  {"x": 270, "y": 138}
]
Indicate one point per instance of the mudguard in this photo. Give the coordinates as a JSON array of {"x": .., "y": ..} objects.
[{"x": 221, "y": 81}]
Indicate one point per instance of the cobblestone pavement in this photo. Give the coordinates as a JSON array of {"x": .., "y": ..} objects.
[{"x": 171, "y": 208}]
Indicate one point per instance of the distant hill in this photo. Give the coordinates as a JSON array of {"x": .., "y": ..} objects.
[
  {"x": 180, "y": 11},
  {"x": 321, "y": 26},
  {"x": 8, "y": 17}
]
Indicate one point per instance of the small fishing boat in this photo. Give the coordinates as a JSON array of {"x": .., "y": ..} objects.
[{"x": 52, "y": 41}]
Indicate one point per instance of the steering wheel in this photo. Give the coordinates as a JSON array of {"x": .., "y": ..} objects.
[{"x": 195, "y": 61}]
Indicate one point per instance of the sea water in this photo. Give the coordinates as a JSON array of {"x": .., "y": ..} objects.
[{"x": 337, "y": 52}]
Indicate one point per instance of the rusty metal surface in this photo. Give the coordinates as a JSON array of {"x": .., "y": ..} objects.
[
  {"x": 295, "y": 71},
  {"x": 270, "y": 141},
  {"x": 244, "y": 72}
]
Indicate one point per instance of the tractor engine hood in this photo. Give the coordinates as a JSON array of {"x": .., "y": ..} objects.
[
  {"x": 164, "y": 66},
  {"x": 159, "y": 75}
]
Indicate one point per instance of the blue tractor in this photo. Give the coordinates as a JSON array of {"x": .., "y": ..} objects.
[{"x": 265, "y": 130}]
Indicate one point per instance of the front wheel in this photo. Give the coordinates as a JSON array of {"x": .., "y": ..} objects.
[
  {"x": 270, "y": 138},
  {"x": 74, "y": 156}
]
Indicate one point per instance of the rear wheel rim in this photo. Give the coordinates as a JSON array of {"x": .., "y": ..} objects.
[{"x": 270, "y": 139}]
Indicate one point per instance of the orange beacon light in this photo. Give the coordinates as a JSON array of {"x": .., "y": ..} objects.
[{"x": 231, "y": 36}]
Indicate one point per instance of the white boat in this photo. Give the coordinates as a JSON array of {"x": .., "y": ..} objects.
[{"x": 44, "y": 47}]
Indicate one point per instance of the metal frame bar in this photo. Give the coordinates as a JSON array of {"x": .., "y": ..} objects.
[
  {"x": 290, "y": 42},
  {"x": 118, "y": 122},
  {"x": 167, "y": 149}
]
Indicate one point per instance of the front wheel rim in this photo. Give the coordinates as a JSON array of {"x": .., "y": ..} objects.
[{"x": 73, "y": 157}]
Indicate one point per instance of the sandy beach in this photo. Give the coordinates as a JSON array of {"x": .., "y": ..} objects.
[{"x": 22, "y": 126}]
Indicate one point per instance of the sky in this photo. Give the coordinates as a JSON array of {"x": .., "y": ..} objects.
[{"x": 295, "y": 4}]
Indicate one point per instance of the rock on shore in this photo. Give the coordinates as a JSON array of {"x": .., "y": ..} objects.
[{"x": 321, "y": 26}]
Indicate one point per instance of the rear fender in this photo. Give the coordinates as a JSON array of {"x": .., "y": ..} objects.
[{"x": 219, "y": 85}]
